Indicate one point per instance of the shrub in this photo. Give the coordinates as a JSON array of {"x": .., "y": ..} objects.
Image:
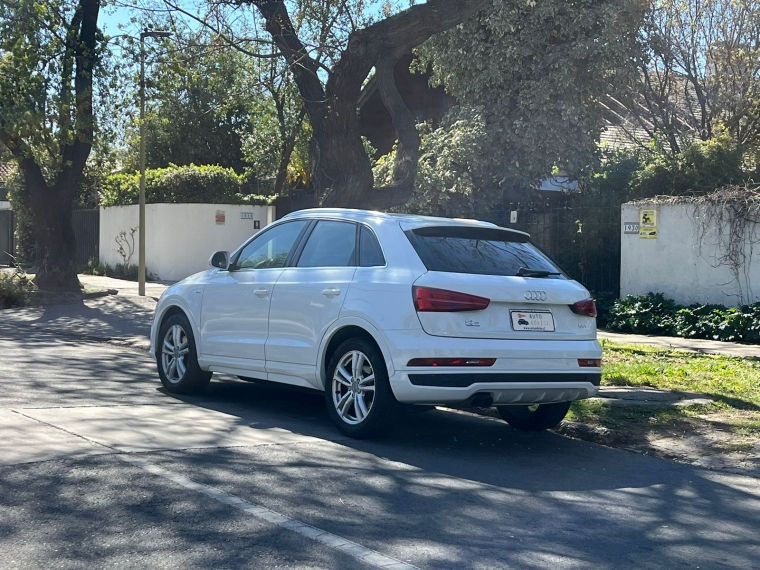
[
  {"x": 654, "y": 314},
  {"x": 14, "y": 290},
  {"x": 648, "y": 314},
  {"x": 604, "y": 303},
  {"x": 182, "y": 185}
]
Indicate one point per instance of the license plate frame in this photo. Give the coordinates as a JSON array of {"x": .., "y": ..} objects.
[{"x": 532, "y": 321}]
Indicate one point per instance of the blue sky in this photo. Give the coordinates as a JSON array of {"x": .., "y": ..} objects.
[{"x": 112, "y": 16}]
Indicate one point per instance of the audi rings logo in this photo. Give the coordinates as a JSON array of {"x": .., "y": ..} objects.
[{"x": 535, "y": 295}]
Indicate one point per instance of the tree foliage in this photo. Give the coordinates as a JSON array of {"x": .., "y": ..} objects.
[
  {"x": 702, "y": 71},
  {"x": 452, "y": 173},
  {"x": 539, "y": 97},
  {"x": 199, "y": 104},
  {"x": 182, "y": 185},
  {"x": 50, "y": 55},
  {"x": 330, "y": 48}
]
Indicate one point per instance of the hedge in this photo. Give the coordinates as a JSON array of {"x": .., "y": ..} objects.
[
  {"x": 183, "y": 185},
  {"x": 654, "y": 314}
]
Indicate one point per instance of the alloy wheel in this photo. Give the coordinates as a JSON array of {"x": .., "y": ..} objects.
[
  {"x": 174, "y": 353},
  {"x": 353, "y": 387}
]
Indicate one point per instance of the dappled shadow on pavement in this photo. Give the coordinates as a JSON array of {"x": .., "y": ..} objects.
[
  {"x": 102, "y": 513},
  {"x": 445, "y": 490},
  {"x": 44, "y": 369},
  {"x": 111, "y": 317},
  {"x": 472, "y": 492}
]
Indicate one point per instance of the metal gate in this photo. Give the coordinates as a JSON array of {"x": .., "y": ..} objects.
[
  {"x": 583, "y": 238},
  {"x": 87, "y": 234},
  {"x": 7, "y": 227}
]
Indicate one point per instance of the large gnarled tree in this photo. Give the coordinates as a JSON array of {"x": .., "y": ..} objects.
[
  {"x": 330, "y": 86},
  {"x": 48, "y": 53}
]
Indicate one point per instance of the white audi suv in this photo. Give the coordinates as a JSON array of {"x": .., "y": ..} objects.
[{"x": 382, "y": 310}]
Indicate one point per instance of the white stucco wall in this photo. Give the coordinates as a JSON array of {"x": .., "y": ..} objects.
[
  {"x": 683, "y": 262},
  {"x": 180, "y": 237}
]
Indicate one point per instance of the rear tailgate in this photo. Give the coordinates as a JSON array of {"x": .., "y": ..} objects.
[
  {"x": 516, "y": 291},
  {"x": 519, "y": 308}
]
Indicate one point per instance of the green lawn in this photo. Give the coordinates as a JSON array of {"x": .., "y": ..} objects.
[
  {"x": 735, "y": 381},
  {"x": 734, "y": 384}
]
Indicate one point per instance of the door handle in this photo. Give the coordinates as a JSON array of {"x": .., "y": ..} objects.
[
  {"x": 330, "y": 293},
  {"x": 261, "y": 292}
]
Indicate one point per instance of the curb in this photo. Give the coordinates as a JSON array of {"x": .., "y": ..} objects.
[
  {"x": 98, "y": 294},
  {"x": 575, "y": 430},
  {"x": 46, "y": 298},
  {"x": 594, "y": 434}
]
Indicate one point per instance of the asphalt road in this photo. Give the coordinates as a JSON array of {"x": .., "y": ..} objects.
[{"x": 99, "y": 468}]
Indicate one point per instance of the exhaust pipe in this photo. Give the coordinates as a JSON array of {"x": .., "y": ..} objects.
[{"x": 481, "y": 401}]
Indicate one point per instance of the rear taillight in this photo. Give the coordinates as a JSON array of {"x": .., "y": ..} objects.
[
  {"x": 452, "y": 362},
  {"x": 429, "y": 300},
  {"x": 587, "y": 308},
  {"x": 590, "y": 362}
]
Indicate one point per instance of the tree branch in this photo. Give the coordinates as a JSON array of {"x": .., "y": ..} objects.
[
  {"x": 303, "y": 67},
  {"x": 408, "y": 152},
  {"x": 67, "y": 68},
  {"x": 393, "y": 37},
  {"x": 86, "y": 53}
]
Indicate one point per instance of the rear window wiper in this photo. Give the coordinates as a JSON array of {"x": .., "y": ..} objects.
[{"x": 526, "y": 272}]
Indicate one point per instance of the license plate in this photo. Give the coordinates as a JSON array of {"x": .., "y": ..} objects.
[{"x": 542, "y": 321}]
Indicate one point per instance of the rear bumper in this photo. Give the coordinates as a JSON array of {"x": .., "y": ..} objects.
[
  {"x": 563, "y": 388},
  {"x": 465, "y": 380},
  {"x": 525, "y": 371}
]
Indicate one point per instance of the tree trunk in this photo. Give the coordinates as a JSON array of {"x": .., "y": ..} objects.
[
  {"x": 54, "y": 234},
  {"x": 341, "y": 168}
]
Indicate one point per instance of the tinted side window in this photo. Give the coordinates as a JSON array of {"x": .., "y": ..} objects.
[
  {"x": 271, "y": 248},
  {"x": 370, "y": 253},
  {"x": 331, "y": 244},
  {"x": 478, "y": 251}
]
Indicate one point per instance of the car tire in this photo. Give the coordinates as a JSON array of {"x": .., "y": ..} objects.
[
  {"x": 360, "y": 402},
  {"x": 538, "y": 418},
  {"x": 177, "y": 358}
]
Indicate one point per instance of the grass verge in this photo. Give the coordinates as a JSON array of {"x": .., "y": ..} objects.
[{"x": 729, "y": 426}]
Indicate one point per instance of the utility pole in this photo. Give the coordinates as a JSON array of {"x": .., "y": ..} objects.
[{"x": 141, "y": 252}]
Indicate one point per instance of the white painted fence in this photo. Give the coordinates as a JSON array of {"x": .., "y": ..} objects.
[
  {"x": 686, "y": 261},
  {"x": 181, "y": 237}
]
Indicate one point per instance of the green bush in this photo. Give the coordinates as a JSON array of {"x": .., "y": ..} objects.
[
  {"x": 654, "y": 314},
  {"x": 648, "y": 314},
  {"x": 604, "y": 303},
  {"x": 14, "y": 290},
  {"x": 182, "y": 185}
]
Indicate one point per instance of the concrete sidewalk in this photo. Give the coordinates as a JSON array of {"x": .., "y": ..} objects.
[
  {"x": 688, "y": 344},
  {"x": 123, "y": 318}
]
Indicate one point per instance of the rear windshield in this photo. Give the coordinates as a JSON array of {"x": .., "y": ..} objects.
[{"x": 479, "y": 251}]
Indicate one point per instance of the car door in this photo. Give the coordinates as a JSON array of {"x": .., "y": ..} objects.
[
  {"x": 235, "y": 310},
  {"x": 307, "y": 299}
]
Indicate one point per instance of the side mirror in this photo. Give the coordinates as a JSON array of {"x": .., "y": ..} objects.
[{"x": 220, "y": 259}]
